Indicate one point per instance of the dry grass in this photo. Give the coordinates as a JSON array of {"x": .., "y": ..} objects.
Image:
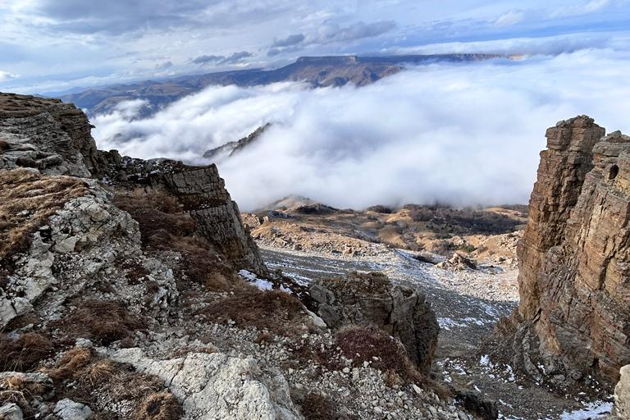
[
  {"x": 368, "y": 344},
  {"x": 159, "y": 215},
  {"x": 19, "y": 390},
  {"x": 101, "y": 321},
  {"x": 159, "y": 406},
  {"x": 101, "y": 383},
  {"x": 23, "y": 353},
  {"x": 317, "y": 407},
  {"x": 164, "y": 225},
  {"x": 275, "y": 311},
  {"x": 71, "y": 362},
  {"x": 27, "y": 200}
]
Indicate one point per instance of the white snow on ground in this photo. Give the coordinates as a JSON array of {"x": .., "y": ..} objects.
[
  {"x": 448, "y": 323},
  {"x": 262, "y": 284},
  {"x": 594, "y": 410}
]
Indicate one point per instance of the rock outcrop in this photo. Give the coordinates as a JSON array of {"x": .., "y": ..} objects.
[
  {"x": 217, "y": 386},
  {"x": 231, "y": 148},
  {"x": 84, "y": 243},
  {"x": 55, "y": 138},
  {"x": 573, "y": 321},
  {"x": 622, "y": 394},
  {"x": 371, "y": 300}
]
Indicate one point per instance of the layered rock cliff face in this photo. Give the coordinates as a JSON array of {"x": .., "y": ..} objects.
[
  {"x": 55, "y": 138},
  {"x": 573, "y": 322}
]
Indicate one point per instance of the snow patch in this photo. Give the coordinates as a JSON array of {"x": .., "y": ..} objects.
[
  {"x": 261, "y": 284},
  {"x": 596, "y": 409}
]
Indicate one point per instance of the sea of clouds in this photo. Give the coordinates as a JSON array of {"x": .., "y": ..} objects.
[{"x": 459, "y": 134}]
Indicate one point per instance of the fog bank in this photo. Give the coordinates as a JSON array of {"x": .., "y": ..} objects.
[{"x": 459, "y": 134}]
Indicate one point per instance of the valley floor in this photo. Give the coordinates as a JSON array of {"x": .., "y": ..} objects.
[{"x": 467, "y": 303}]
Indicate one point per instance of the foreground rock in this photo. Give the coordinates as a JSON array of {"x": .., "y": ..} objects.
[
  {"x": 372, "y": 300},
  {"x": 217, "y": 386},
  {"x": 573, "y": 320}
]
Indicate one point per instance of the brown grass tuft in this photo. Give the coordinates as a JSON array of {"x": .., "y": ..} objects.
[
  {"x": 273, "y": 310},
  {"x": 70, "y": 363},
  {"x": 159, "y": 406},
  {"x": 100, "y": 382},
  {"x": 27, "y": 200},
  {"x": 101, "y": 321},
  {"x": 317, "y": 407},
  {"x": 23, "y": 353}
]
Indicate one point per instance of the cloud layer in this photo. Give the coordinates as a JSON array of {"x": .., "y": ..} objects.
[
  {"x": 65, "y": 44},
  {"x": 460, "y": 134}
]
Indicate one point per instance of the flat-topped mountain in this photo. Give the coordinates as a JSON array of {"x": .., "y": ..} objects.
[{"x": 315, "y": 71}]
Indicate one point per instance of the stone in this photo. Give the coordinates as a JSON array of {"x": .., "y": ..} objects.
[
  {"x": 11, "y": 411},
  {"x": 371, "y": 300},
  {"x": 573, "y": 320},
  {"x": 67, "y": 409},
  {"x": 218, "y": 386},
  {"x": 622, "y": 394}
]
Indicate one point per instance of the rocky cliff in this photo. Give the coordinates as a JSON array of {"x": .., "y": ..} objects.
[
  {"x": 54, "y": 138},
  {"x": 573, "y": 321}
]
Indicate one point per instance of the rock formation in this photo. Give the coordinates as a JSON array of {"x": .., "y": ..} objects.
[
  {"x": 622, "y": 394},
  {"x": 231, "y": 148},
  {"x": 217, "y": 386},
  {"x": 371, "y": 300},
  {"x": 573, "y": 321},
  {"x": 55, "y": 138}
]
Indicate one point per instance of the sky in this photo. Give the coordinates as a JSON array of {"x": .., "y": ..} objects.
[
  {"x": 460, "y": 134},
  {"x": 57, "y": 45}
]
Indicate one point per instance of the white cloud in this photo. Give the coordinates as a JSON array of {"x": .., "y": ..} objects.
[
  {"x": 462, "y": 134},
  {"x": 5, "y": 76},
  {"x": 510, "y": 18}
]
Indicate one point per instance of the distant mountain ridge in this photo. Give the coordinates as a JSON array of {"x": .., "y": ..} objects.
[{"x": 315, "y": 71}]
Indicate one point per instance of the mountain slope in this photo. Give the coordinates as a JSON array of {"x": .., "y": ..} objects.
[{"x": 315, "y": 71}]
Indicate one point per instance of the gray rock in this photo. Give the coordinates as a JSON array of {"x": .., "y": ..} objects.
[
  {"x": 218, "y": 386},
  {"x": 372, "y": 300},
  {"x": 622, "y": 394},
  {"x": 11, "y": 411},
  {"x": 67, "y": 409}
]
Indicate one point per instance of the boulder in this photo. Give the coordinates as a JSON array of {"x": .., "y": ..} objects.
[{"x": 372, "y": 300}]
